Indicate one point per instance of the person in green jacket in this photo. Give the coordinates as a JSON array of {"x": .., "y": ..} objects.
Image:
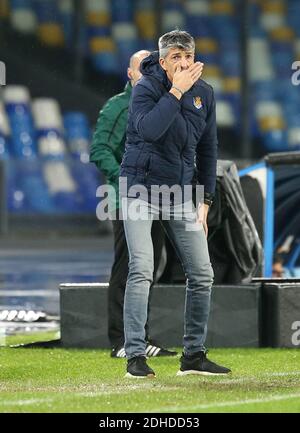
[{"x": 107, "y": 150}]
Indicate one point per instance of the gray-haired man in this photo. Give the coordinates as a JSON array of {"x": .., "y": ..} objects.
[{"x": 171, "y": 120}]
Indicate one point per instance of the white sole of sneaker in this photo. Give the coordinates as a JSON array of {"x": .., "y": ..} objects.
[
  {"x": 197, "y": 372},
  {"x": 131, "y": 376}
]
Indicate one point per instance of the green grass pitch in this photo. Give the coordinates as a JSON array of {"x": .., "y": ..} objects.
[{"x": 73, "y": 380}]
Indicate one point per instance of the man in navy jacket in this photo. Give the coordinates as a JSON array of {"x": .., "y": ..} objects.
[{"x": 171, "y": 124}]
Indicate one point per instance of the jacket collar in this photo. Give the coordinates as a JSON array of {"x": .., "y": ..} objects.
[
  {"x": 128, "y": 88},
  {"x": 150, "y": 66}
]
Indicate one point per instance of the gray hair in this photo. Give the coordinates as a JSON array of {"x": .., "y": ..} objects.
[{"x": 175, "y": 39}]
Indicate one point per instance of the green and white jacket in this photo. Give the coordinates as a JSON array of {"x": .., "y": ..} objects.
[{"x": 108, "y": 143}]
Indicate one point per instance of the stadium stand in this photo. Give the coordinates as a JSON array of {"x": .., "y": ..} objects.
[
  {"x": 47, "y": 153},
  {"x": 114, "y": 29}
]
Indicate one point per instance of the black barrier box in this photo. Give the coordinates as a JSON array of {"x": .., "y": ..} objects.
[
  {"x": 233, "y": 322},
  {"x": 234, "y": 317},
  {"x": 83, "y": 315},
  {"x": 281, "y": 315}
]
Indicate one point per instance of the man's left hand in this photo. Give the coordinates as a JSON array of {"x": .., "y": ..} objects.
[{"x": 201, "y": 218}]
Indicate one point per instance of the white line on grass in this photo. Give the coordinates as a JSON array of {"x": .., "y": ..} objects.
[
  {"x": 283, "y": 373},
  {"x": 25, "y": 402},
  {"x": 257, "y": 378},
  {"x": 125, "y": 391},
  {"x": 228, "y": 403}
]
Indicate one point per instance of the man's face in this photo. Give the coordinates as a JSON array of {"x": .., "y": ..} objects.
[
  {"x": 177, "y": 57},
  {"x": 133, "y": 71}
]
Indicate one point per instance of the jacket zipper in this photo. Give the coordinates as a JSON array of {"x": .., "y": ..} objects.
[{"x": 182, "y": 163}]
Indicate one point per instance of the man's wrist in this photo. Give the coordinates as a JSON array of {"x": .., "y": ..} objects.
[
  {"x": 178, "y": 90},
  {"x": 208, "y": 198}
]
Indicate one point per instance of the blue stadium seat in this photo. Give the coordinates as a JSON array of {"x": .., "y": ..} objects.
[
  {"x": 23, "y": 140},
  {"x": 234, "y": 99},
  {"x": 199, "y": 26},
  {"x": 77, "y": 133},
  {"x": 46, "y": 10},
  {"x": 37, "y": 195},
  {"x": 3, "y": 147},
  {"x": 145, "y": 4},
  {"x": 207, "y": 58},
  {"x": 18, "y": 4},
  {"x": 292, "y": 117},
  {"x": 93, "y": 31},
  {"x": 230, "y": 63},
  {"x": 257, "y": 32},
  {"x": 105, "y": 62},
  {"x": 66, "y": 19},
  {"x": 16, "y": 202},
  {"x": 62, "y": 186},
  {"x": 88, "y": 180},
  {"x": 265, "y": 90},
  {"x": 122, "y": 10},
  {"x": 254, "y": 13},
  {"x": 20, "y": 192},
  {"x": 225, "y": 27},
  {"x": 287, "y": 92},
  {"x": 275, "y": 140},
  {"x": 293, "y": 13},
  {"x": 172, "y": 16},
  {"x": 75, "y": 118},
  {"x": 147, "y": 44},
  {"x": 67, "y": 202},
  {"x": 125, "y": 50},
  {"x": 282, "y": 61},
  {"x": 51, "y": 144}
]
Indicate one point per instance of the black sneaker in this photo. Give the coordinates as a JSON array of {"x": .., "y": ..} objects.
[
  {"x": 118, "y": 352},
  {"x": 154, "y": 349},
  {"x": 137, "y": 368},
  {"x": 199, "y": 364}
]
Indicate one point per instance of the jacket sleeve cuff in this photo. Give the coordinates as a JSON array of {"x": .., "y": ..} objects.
[
  {"x": 208, "y": 198},
  {"x": 173, "y": 97}
]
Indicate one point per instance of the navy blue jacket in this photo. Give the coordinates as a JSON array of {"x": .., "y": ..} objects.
[{"x": 164, "y": 134}]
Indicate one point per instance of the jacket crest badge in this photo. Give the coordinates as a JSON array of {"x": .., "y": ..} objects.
[{"x": 197, "y": 101}]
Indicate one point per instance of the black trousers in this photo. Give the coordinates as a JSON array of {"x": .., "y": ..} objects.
[{"x": 118, "y": 278}]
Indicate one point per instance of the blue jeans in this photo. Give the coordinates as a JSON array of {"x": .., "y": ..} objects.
[{"x": 190, "y": 243}]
